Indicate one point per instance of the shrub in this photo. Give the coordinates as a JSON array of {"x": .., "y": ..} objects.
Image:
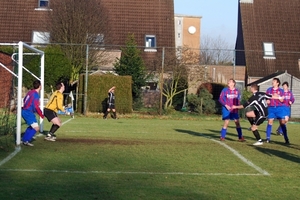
[{"x": 202, "y": 103}]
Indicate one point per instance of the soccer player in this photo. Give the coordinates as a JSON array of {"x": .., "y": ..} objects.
[
  {"x": 111, "y": 103},
  {"x": 276, "y": 110},
  {"x": 288, "y": 100},
  {"x": 230, "y": 96},
  {"x": 50, "y": 111},
  {"x": 31, "y": 105},
  {"x": 256, "y": 110}
]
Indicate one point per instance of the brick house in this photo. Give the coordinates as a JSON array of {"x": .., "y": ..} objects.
[
  {"x": 6, "y": 79},
  {"x": 151, "y": 21},
  {"x": 268, "y": 37}
]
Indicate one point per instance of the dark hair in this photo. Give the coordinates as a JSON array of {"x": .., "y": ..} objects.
[
  {"x": 36, "y": 84},
  {"x": 232, "y": 80},
  {"x": 285, "y": 83},
  {"x": 278, "y": 81},
  {"x": 58, "y": 86},
  {"x": 254, "y": 86}
]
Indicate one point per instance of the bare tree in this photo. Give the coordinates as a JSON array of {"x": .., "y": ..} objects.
[
  {"x": 215, "y": 51},
  {"x": 76, "y": 23},
  {"x": 184, "y": 74}
]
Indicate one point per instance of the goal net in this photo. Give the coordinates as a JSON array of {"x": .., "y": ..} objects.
[{"x": 11, "y": 83}]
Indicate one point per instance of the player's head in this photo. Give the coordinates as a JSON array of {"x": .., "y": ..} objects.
[
  {"x": 231, "y": 83},
  {"x": 36, "y": 84},
  {"x": 285, "y": 85},
  {"x": 254, "y": 87},
  {"x": 276, "y": 82},
  {"x": 60, "y": 86}
]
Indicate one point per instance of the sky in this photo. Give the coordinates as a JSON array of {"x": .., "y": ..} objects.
[{"x": 219, "y": 17}]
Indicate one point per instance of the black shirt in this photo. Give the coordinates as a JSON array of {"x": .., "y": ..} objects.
[
  {"x": 258, "y": 101},
  {"x": 111, "y": 98}
]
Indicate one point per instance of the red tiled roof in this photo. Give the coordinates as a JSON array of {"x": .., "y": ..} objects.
[{"x": 275, "y": 21}]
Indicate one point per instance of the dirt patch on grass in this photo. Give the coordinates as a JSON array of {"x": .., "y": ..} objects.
[{"x": 100, "y": 141}]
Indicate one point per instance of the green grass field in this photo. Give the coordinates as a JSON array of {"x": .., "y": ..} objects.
[{"x": 157, "y": 158}]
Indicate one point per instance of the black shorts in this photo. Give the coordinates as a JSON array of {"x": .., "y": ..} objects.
[
  {"x": 111, "y": 106},
  {"x": 49, "y": 114},
  {"x": 259, "y": 119}
]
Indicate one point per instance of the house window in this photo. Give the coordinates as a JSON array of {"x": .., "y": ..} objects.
[
  {"x": 150, "y": 43},
  {"x": 269, "y": 52},
  {"x": 43, "y": 3},
  {"x": 40, "y": 37}
]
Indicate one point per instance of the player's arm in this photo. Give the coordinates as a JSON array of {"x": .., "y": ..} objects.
[
  {"x": 37, "y": 108},
  {"x": 59, "y": 103},
  {"x": 292, "y": 99},
  {"x": 238, "y": 107},
  {"x": 114, "y": 87},
  {"x": 275, "y": 96}
]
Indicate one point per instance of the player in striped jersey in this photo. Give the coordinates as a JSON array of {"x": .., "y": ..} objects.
[
  {"x": 229, "y": 97},
  {"x": 288, "y": 100},
  {"x": 276, "y": 110},
  {"x": 30, "y": 107}
]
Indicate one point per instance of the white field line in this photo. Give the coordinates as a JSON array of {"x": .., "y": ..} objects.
[
  {"x": 124, "y": 172},
  {"x": 248, "y": 162},
  {"x": 18, "y": 149},
  {"x": 245, "y": 160}
]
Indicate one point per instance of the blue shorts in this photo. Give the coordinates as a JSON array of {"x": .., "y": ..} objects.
[
  {"x": 287, "y": 111},
  {"x": 276, "y": 112},
  {"x": 226, "y": 114},
  {"x": 29, "y": 117}
]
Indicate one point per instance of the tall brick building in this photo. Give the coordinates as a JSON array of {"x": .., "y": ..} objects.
[{"x": 151, "y": 22}]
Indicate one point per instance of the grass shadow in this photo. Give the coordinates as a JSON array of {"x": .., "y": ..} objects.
[{"x": 281, "y": 154}]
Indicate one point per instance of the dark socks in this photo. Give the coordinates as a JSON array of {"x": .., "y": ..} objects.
[
  {"x": 105, "y": 114},
  {"x": 54, "y": 128},
  {"x": 257, "y": 135}
]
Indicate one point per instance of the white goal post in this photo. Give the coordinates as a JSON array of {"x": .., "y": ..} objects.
[{"x": 21, "y": 46}]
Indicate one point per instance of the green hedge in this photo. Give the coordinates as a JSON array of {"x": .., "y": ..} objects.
[{"x": 97, "y": 93}]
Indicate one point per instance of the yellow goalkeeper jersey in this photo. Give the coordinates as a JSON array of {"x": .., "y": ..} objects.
[{"x": 55, "y": 102}]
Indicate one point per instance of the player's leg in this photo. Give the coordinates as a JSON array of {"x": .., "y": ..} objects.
[
  {"x": 282, "y": 116},
  {"x": 32, "y": 128},
  {"x": 114, "y": 112},
  {"x": 56, "y": 123},
  {"x": 225, "y": 118},
  {"x": 259, "y": 119},
  {"x": 235, "y": 117},
  {"x": 271, "y": 117},
  {"x": 106, "y": 113}
]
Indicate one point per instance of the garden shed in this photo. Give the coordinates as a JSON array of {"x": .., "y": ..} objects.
[{"x": 294, "y": 85}]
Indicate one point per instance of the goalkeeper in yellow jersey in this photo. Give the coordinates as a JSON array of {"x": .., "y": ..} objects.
[{"x": 50, "y": 111}]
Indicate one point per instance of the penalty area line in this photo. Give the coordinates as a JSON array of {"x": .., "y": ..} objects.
[
  {"x": 245, "y": 160},
  {"x": 18, "y": 148},
  {"x": 129, "y": 172}
]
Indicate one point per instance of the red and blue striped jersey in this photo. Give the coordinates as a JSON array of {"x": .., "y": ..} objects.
[
  {"x": 230, "y": 97},
  {"x": 31, "y": 102},
  {"x": 288, "y": 96},
  {"x": 279, "y": 92}
]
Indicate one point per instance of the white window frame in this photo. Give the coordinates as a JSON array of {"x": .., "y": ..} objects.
[
  {"x": 40, "y": 37},
  {"x": 269, "y": 50},
  {"x": 150, "y": 43}
]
